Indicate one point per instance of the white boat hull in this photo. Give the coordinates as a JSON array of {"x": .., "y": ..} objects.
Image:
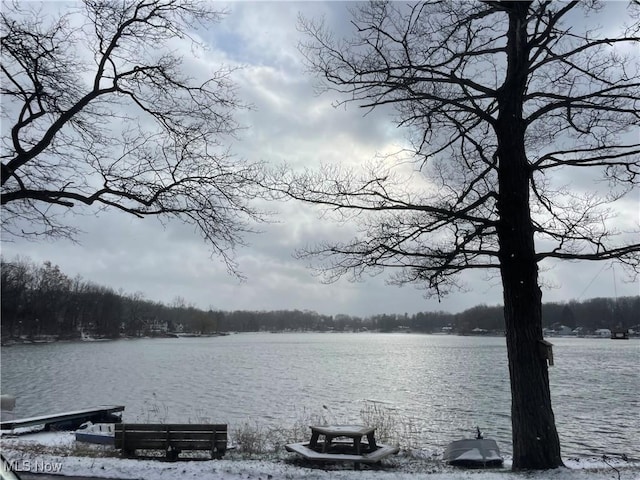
[{"x": 99, "y": 433}]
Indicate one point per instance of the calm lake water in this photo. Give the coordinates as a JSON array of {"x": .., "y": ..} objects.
[{"x": 442, "y": 386}]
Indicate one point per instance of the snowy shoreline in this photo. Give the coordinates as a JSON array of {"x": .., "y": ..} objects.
[{"x": 57, "y": 452}]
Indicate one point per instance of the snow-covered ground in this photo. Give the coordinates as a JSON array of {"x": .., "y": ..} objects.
[{"x": 58, "y": 453}]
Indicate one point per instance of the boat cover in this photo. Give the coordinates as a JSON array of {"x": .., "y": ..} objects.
[{"x": 476, "y": 452}]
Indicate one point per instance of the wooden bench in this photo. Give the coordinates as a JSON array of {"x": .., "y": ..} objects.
[{"x": 171, "y": 438}]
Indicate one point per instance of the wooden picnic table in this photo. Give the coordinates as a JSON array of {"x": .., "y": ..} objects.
[
  {"x": 354, "y": 450},
  {"x": 354, "y": 432}
]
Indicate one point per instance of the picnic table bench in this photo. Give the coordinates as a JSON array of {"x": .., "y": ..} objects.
[
  {"x": 172, "y": 438},
  {"x": 352, "y": 450}
]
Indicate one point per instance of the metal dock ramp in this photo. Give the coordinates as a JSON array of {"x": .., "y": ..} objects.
[{"x": 95, "y": 414}]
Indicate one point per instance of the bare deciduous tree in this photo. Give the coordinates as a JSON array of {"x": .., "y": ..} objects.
[
  {"x": 503, "y": 100},
  {"x": 99, "y": 108}
]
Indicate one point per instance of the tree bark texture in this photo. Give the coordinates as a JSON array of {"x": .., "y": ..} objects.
[{"x": 535, "y": 440}]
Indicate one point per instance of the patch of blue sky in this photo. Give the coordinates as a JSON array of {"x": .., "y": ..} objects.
[{"x": 232, "y": 44}]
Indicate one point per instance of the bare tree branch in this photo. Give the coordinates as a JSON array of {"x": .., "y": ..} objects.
[{"x": 104, "y": 113}]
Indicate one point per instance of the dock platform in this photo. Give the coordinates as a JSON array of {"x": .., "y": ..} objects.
[{"x": 94, "y": 414}]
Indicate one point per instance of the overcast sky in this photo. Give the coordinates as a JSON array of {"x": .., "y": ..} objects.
[{"x": 289, "y": 123}]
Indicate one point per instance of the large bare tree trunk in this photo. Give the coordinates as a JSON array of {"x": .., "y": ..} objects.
[{"x": 535, "y": 440}]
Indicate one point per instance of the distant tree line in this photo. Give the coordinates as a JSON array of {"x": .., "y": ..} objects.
[{"x": 40, "y": 300}]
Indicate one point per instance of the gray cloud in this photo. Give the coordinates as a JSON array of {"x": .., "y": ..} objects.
[{"x": 289, "y": 123}]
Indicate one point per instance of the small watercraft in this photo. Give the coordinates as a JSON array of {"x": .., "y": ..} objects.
[
  {"x": 476, "y": 452},
  {"x": 100, "y": 433}
]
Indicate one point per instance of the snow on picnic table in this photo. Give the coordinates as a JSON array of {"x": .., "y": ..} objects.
[{"x": 59, "y": 447}]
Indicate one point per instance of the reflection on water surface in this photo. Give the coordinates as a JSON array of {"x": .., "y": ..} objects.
[{"x": 443, "y": 385}]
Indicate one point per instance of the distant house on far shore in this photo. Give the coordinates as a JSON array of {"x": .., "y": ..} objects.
[
  {"x": 558, "y": 330},
  {"x": 580, "y": 331},
  {"x": 479, "y": 331},
  {"x": 603, "y": 332},
  {"x": 158, "y": 327}
]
